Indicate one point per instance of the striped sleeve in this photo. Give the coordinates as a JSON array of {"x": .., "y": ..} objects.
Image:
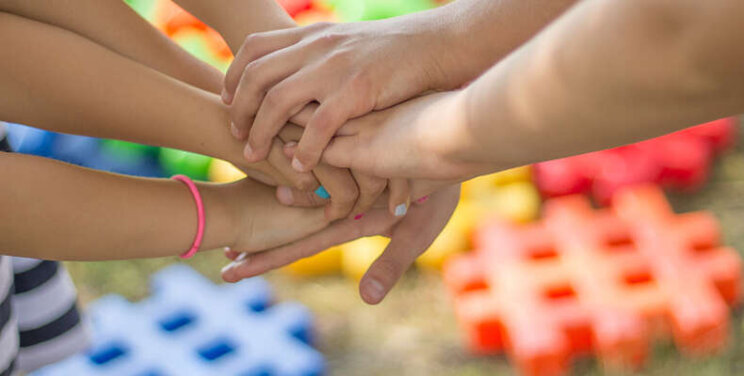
[
  {"x": 8, "y": 328},
  {"x": 49, "y": 322}
]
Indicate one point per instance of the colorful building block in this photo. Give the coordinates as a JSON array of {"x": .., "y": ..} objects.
[
  {"x": 195, "y": 166},
  {"x": 679, "y": 161},
  {"x": 190, "y": 326},
  {"x": 603, "y": 282},
  {"x": 224, "y": 172}
]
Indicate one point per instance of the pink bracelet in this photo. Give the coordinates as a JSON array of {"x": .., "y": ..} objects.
[{"x": 199, "y": 215}]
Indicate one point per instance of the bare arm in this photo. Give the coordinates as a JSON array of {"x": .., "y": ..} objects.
[
  {"x": 114, "y": 25},
  {"x": 69, "y": 84},
  {"x": 609, "y": 72},
  {"x": 235, "y": 19}
]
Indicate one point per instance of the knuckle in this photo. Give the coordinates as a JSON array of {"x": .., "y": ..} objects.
[
  {"x": 387, "y": 270},
  {"x": 305, "y": 182},
  {"x": 252, "y": 40},
  {"x": 339, "y": 58},
  {"x": 274, "y": 97},
  {"x": 374, "y": 187}
]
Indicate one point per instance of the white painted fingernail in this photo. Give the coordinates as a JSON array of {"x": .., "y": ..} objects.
[
  {"x": 241, "y": 259},
  {"x": 401, "y": 210}
]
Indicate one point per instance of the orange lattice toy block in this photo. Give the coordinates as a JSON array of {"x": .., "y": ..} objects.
[{"x": 603, "y": 282}]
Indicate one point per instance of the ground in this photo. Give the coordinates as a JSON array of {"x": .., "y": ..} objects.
[{"x": 414, "y": 332}]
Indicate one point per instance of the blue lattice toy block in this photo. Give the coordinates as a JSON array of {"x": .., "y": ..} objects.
[{"x": 190, "y": 326}]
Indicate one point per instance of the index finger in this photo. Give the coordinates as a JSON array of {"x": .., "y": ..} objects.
[{"x": 255, "y": 46}]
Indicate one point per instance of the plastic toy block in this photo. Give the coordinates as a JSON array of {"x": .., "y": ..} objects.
[
  {"x": 361, "y": 10},
  {"x": 195, "y": 166},
  {"x": 29, "y": 140},
  {"x": 224, "y": 172},
  {"x": 324, "y": 263},
  {"x": 359, "y": 254},
  {"x": 679, "y": 160},
  {"x": 603, "y": 282},
  {"x": 294, "y": 7},
  {"x": 190, "y": 326}
]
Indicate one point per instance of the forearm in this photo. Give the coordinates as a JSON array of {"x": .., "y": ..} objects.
[
  {"x": 235, "y": 19},
  {"x": 114, "y": 25},
  {"x": 608, "y": 73},
  {"x": 56, "y": 211},
  {"x": 69, "y": 84},
  {"x": 478, "y": 33}
]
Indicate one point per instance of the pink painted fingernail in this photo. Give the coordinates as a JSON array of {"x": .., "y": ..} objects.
[
  {"x": 422, "y": 199},
  {"x": 358, "y": 217}
]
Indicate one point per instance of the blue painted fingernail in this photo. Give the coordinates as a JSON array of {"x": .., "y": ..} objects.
[
  {"x": 322, "y": 193},
  {"x": 401, "y": 210}
]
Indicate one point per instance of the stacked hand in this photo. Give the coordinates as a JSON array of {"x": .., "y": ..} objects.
[{"x": 319, "y": 77}]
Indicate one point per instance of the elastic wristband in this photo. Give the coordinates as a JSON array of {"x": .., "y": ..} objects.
[{"x": 199, "y": 215}]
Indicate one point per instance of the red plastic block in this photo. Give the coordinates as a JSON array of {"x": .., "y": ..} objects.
[
  {"x": 294, "y": 7},
  {"x": 603, "y": 282},
  {"x": 680, "y": 160}
]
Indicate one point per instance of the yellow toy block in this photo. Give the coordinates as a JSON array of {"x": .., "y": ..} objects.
[
  {"x": 324, "y": 263},
  {"x": 486, "y": 185},
  {"x": 514, "y": 175},
  {"x": 518, "y": 202},
  {"x": 359, "y": 254},
  {"x": 455, "y": 237},
  {"x": 224, "y": 172}
]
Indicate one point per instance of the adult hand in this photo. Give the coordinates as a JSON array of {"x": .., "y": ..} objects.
[
  {"x": 411, "y": 140},
  {"x": 350, "y": 69},
  {"x": 410, "y": 237}
]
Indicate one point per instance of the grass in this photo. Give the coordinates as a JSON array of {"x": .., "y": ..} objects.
[{"x": 414, "y": 332}]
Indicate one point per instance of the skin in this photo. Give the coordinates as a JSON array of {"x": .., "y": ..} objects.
[
  {"x": 491, "y": 29},
  {"x": 567, "y": 86},
  {"x": 352, "y": 69},
  {"x": 64, "y": 212},
  {"x": 351, "y": 193},
  {"x": 84, "y": 212}
]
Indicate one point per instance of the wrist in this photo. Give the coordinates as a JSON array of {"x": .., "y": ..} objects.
[
  {"x": 447, "y": 137},
  {"x": 221, "y": 222}
]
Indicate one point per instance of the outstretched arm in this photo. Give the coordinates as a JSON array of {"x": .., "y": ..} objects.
[
  {"x": 236, "y": 19},
  {"x": 69, "y": 84},
  {"x": 114, "y": 25},
  {"x": 56, "y": 211},
  {"x": 609, "y": 72}
]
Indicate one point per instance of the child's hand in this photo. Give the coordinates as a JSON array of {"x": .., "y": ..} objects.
[
  {"x": 350, "y": 69},
  {"x": 409, "y": 238},
  {"x": 260, "y": 221},
  {"x": 351, "y": 193}
]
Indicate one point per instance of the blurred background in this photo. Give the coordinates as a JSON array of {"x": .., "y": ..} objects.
[{"x": 415, "y": 330}]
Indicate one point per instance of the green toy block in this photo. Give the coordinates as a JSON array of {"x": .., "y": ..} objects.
[
  {"x": 127, "y": 151},
  {"x": 195, "y": 166},
  {"x": 363, "y": 10},
  {"x": 195, "y": 44},
  {"x": 145, "y": 8}
]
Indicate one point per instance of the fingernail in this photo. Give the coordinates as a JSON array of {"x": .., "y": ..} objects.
[
  {"x": 297, "y": 165},
  {"x": 358, "y": 217},
  {"x": 401, "y": 210},
  {"x": 234, "y": 130},
  {"x": 241, "y": 259},
  {"x": 290, "y": 145},
  {"x": 375, "y": 290},
  {"x": 226, "y": 97},
  {"x": 322, "y": 193},
  {"x": 422, "y": 199},
  {"x": 284, "y": 195},
  {"x": 248, "y": 151}
]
